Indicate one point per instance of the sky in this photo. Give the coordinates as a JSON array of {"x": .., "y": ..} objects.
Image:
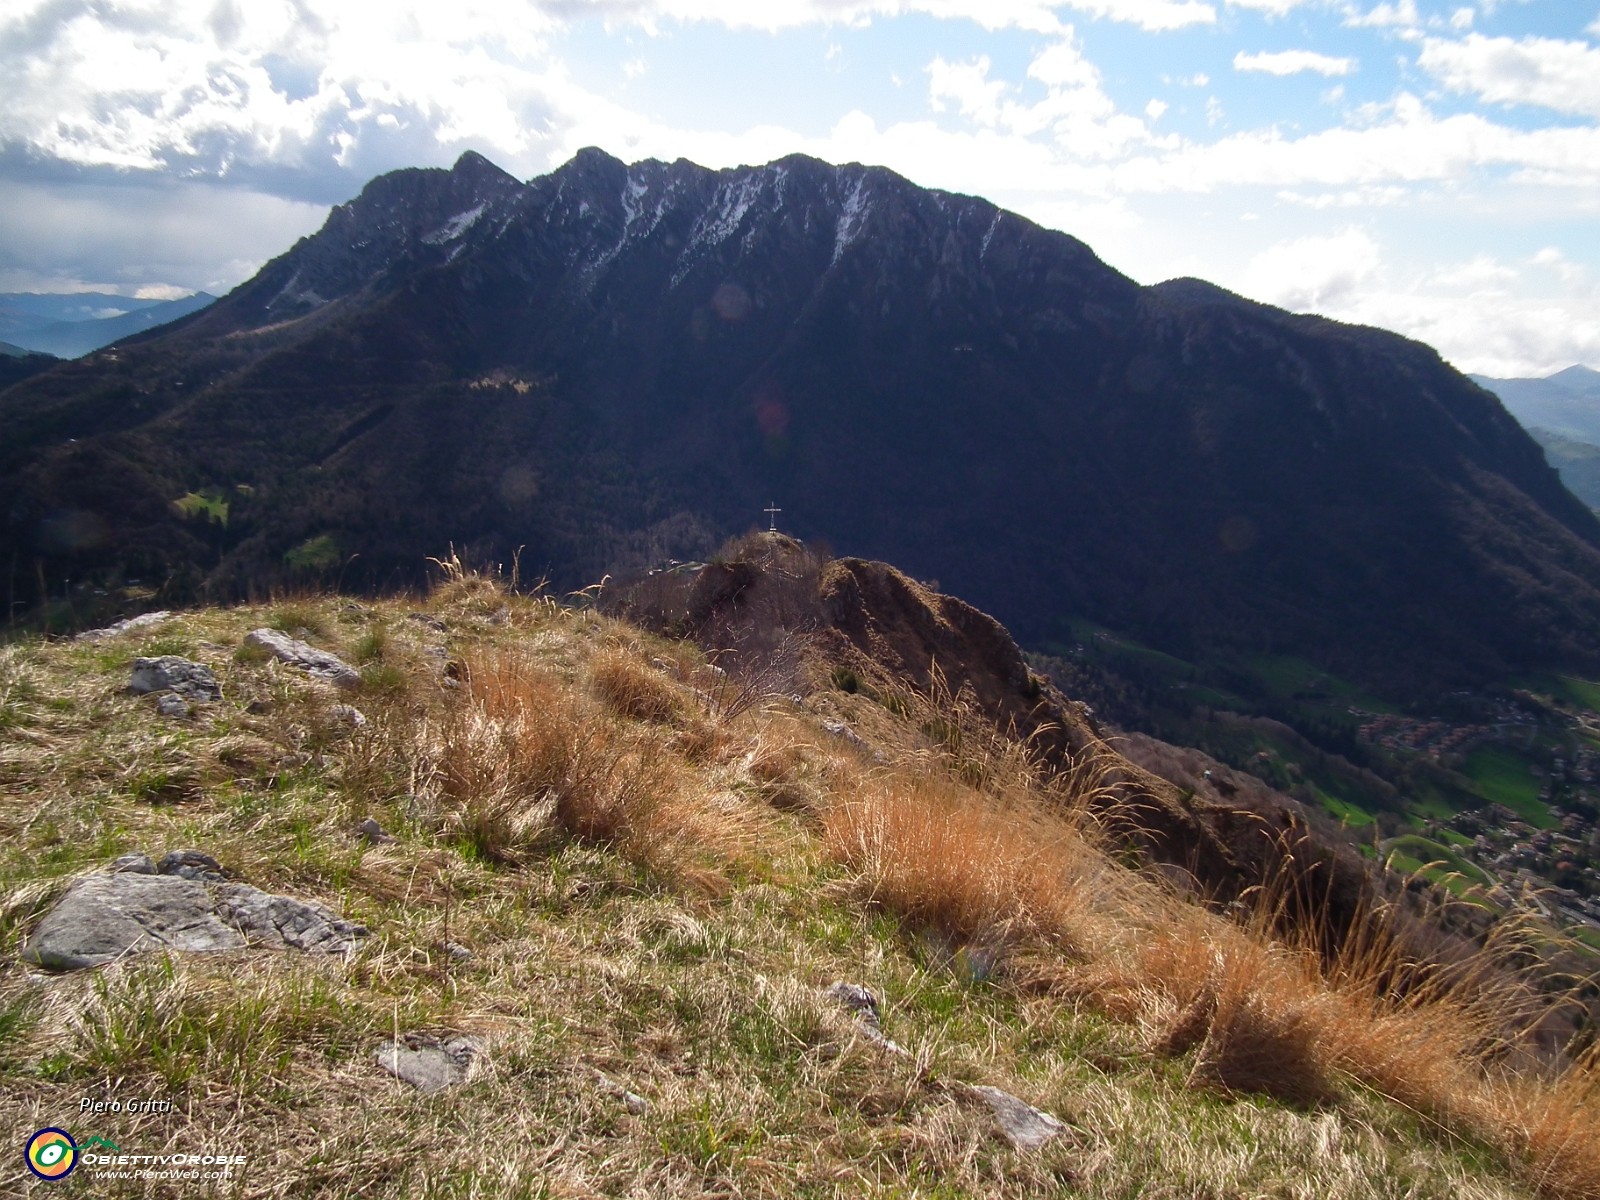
[{"x": 1430, "y": 167}]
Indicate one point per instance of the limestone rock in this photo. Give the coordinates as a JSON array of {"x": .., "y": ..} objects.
[
  {"x": 307, "y": 658},
  {"x": 1024, "y": 1126},
  {"x": 865, "y": 1005},
  {"x": 372, "y": 833},
  {"x": 135, "y": 864},
  {"x": 172, "y": 706},
  {"x": 105, "y": 917},
  {"x": 132, "y": 909},
  {"x": 349, "y": 715},
  {"x": 282, "y": 922},
  {"x": 169, "y": 673},
  {"x": 131, "y": 625},
  {"x": 428, "y": 1064},
  {"x": 190, "y": 864},
  {"x": 856, "y": 998}
]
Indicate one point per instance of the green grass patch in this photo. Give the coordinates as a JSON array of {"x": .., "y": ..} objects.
[
  {"x": 1501, "y": 775},
  {"x": 209, "y": 505}
]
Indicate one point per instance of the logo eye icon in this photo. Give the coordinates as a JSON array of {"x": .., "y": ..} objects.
[{"x": 52, "y": 1154}]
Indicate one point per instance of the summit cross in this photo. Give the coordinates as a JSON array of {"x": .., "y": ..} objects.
[{"x": 772, "y": 510}]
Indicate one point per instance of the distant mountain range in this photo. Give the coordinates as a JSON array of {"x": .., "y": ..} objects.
[
  {"x": 611, "y": 365},
  {"x": 1562, "y": 412},
  {"x": 68, "y": 326}
]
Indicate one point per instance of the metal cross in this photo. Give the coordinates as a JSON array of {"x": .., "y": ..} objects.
[{"x": 773, "y": 510}]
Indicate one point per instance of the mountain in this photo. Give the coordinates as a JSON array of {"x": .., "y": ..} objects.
[
  {"x": 17, "y": 364},
  {"x": 72, "y": 338},
  {"x": 1577, "y": 462},
  {"x": 610, "y": 365},
  {"x": 1566, "y": 403},
  {"x": 22, "y": 311}
]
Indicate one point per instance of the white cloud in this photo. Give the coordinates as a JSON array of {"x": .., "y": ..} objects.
[
  {"x": 1312, "y": 272},
  {"x": 1076, "y": 113},
  {"x": 1560, "y": 75},
  {"x": 1492, "y": 334},
  {"x": 131, "y": 238},
  {"x": 1273, "y": 8},
  {"x": 1483, "y": 274},
  {"x": 1155, "y": 108},
  {"x": 1410, "y": 145},
  {"x": 1461, "y": 19},
  {"x": 1363, "y": 197},
  {"x": 1292, "y": 62},
  {"x": 1554, "y": 260},
  {"x": 1392, "y": 14},
  {"x": 968, "y": 86}
]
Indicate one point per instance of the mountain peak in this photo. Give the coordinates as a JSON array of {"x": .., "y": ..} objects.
[{"x": 1578, "y": 378}]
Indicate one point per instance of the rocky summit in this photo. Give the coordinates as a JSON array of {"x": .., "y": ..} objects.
[{"x": 612, "y": 365}]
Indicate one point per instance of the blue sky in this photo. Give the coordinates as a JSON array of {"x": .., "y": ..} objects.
[{"x": 1430, "y": 167}]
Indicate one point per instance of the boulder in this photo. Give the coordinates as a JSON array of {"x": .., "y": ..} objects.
[
  {"x": 104, "y": 917},
  {"x": 427, "y": 1063},
  {"x": 169, "y": 673},
  {"x": 182, "y": 904},
  {"x": 307, "y": 658}
]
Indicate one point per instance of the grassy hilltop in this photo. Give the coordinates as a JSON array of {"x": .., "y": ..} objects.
[{"x": 657, "y": 870}]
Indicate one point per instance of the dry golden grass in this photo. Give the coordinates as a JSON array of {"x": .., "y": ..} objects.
[
  {"x": 659, "y": 897},
  {"x": 952, "y": 859},
  {"x": 633, "y": 688}
]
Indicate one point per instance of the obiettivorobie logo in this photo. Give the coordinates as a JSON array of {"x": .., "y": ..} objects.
[{"x": 52, "y": 1154}]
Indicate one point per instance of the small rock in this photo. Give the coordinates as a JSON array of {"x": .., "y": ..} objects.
[
  {"x": 635, "y": 1103},
  {"x": 856, "y": 998},
  {"x": 425, "y": 619},
  {"x": 428, "y": 1064},
  {"x": 131, "y": 864},
  {"x": 371, "y": 832},
  {"x": 1024, "y": 1126},
  {"x": 865, "y": 1005},
  {"x": 840, "y": 730},
  {"x": 456, "y": 951},
  {"x": 169, "y": 673},
  {"x": 632, "y": 1101},
  {"x": 257, "y": 708},
  {"x": 132, "y": 624},
  {"x": 172, "y": 706},
  {"x": 348, "y": 714},
  {"x": 309, "y": 659},
  {"x": 190, "y": 864}
]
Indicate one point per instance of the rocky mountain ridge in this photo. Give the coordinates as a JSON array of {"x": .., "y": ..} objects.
[{"x": 612, "y": 365}]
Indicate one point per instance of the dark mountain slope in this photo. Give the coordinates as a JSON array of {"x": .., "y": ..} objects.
[{"x": 611, "y": 363}]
